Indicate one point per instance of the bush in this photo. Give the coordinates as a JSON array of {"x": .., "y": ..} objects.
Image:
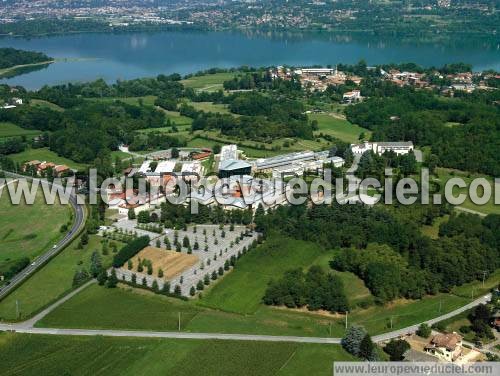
[
  {"x": 396, "y": 349},
  {"x": 424, "y": 331}
]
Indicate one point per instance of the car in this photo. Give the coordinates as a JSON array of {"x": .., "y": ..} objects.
[
  {"x": 54, "y": 246},
  {"x": 33, "y": 263}
]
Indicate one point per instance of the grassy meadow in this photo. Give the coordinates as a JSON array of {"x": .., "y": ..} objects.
[
  {"x": 12, "y": 130},
  {"x": 51, "y": 281},
  {"x": 208, "y": 82},
  {"x": 339, "y": 128},
  {"x": 25, "y": 230}
]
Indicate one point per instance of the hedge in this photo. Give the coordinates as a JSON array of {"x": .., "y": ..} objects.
[{"x": 130, "y": 250}]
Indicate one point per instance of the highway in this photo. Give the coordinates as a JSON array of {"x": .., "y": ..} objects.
[{"x": 79, "y": 221}]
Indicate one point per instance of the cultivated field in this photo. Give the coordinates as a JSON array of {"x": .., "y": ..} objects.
[
  {"x": 57, "y": 355},
  {"x": 172, "y": 263}
]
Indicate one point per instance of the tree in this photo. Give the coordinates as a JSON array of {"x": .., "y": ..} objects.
[
  {"x": 84, "y": 240},
  {"x": 80, "y": 277},
  {"x": 95, "y": 264},
  {"x": 112, "y": 280},
  {"x": 192, "y": 291},
  {"x": 130, "y": 265},
  {"x": 160, "y": 273},
  {"x": 396, "y": 349},
  {"x": 167, "y": 243},
  {"x": 177, "y": 290},
  {"x": 352, "y": 339},
  {"x": 102, "y": 277},
  {"x": 200, "y": 286},
  {"x": 131, "y": 214},
  {"x": 133, "y": 279},
  {"x": 367, "y": 349},
  {"x": 155, "y": 287},
  {"x": 185, "y": 242},
  {"x": 158, "y": 243},
  {"x": 424, "y": 331},
  {"x": 206, "y": 279},
  {"x": 214, "y": 275},
  {"x": 166, "y": 288}
]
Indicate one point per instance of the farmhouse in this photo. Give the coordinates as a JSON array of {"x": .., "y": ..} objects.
[
  {"x": 380, "y": 148},
  {"x": 447, "y": 347}
]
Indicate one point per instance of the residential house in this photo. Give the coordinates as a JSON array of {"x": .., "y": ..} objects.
[{"x": 447, "y": 347}]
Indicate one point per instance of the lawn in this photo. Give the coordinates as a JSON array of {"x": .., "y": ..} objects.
[
  {"x": 44, "y": 154},
  {"x": 24, "y": 230},
  {"x": 339, "y": 128},
  {"x": 50, "y": 282},
  {"x": 22, "y": 354},
  {"x": 208, "y": 82},
  {"x": 12, "y": 130}
]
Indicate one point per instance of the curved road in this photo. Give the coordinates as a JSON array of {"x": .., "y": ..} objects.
[{"x": 42, "y": 259}]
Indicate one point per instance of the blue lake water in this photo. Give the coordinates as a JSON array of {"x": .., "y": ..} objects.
[{"x": 132, "y": 55}]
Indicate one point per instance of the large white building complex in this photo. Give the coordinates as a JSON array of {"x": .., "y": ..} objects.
[{"x": 380, "y": 148}]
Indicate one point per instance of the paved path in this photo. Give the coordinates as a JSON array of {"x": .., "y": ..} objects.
[
  {"x": 470, "y": 211},
  {"x": 28, "y": 327},
  {"x": 79, "y": 221}
]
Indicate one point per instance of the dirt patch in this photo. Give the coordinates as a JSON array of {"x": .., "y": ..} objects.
[{"x": 172, "y": 263}]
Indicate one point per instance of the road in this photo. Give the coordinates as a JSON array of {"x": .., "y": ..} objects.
[
  {"x": 79, "y": 221},
  {"x": 28, "y": 327}
]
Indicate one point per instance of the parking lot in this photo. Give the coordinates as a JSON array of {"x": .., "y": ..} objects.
[{"x": 215, "y": 246}]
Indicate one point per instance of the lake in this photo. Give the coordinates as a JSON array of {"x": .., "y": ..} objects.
[{"x": 84, "y": 57}]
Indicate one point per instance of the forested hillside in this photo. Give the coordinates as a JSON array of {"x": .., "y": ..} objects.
[{"x": 10, "y": 57}]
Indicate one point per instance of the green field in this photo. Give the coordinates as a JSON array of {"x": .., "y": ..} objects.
[
  {"x": 242, "y": 290},
  {"x": 24, "y": 230},
  {"x": 476, "y": 288},
  {"x": 233, "y": 305},
  {"x": 44, "y": 154},
  {"x": 50, "y": 282},
  {"x": 341, "y": 129},
  {"x": 211, "y": 107},
  {"x": 208, "y": 82},
  {"x": 12, "y": 130},
  {"x": 22, "y": 354}
]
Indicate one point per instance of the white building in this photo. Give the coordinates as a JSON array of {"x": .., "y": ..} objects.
[
  {"x": 380, "y": 148},
  {"x": 165, "y": 167},
  {"x": 228, "y": 152},
  {"x": 352, "y": 96},
  {"x": 315, "y": 71}
]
